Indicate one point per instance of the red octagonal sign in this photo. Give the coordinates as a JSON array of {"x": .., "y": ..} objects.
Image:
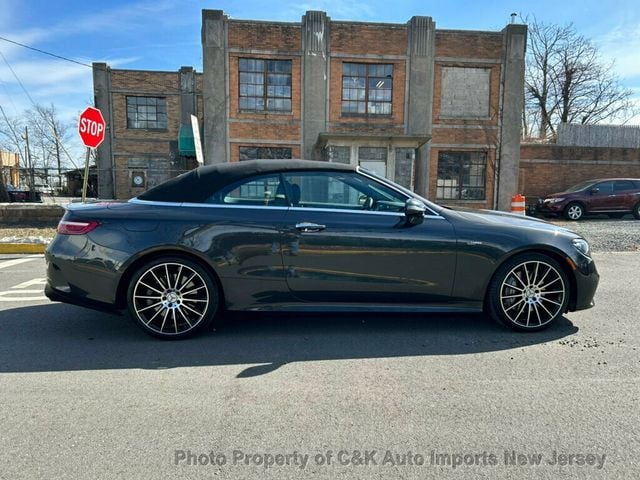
[{"x": 91, "y": 127}]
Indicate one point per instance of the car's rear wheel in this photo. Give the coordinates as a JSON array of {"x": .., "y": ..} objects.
[
  {"x": 636, "y": 211},
  {"x": 172, "y": 298},
  {"x": 528, "y": 292},
  {"x": 574, "y": 211}
]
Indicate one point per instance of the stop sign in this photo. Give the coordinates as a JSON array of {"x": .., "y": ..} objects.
[{"x": 91, "y": 127}]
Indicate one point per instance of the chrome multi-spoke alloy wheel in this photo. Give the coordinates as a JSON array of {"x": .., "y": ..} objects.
[
  {"x": 171, "y": 298},
  {"x": 532, "y": 294}
]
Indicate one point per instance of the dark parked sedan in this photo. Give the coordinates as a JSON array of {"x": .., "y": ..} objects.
[
  {"x": 302, "y": 235},
  {"x": 613, "y": 196},
  {"x": 16, "y": 194}
]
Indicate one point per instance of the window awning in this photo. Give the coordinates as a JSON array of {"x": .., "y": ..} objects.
[{"x": 186, "y": 144}]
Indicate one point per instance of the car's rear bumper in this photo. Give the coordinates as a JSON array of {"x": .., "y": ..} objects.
[{"x": 57, "y": 295}]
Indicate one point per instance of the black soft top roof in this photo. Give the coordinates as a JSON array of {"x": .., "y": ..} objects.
[{"x": 199, "y": 184}]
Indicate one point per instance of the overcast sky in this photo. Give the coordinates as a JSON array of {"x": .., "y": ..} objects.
[{"x": 165, "y": 34}]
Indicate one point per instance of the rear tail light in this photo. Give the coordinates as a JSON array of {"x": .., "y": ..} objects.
[{"x": 66, "y": 227}]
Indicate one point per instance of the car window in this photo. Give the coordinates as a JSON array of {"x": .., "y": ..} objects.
[
  {"x": 341, "y": 190},
  {"x": 579, "y": 187},
  {"x": 262, "y": 190},
  {"x": 605, "y": 187},
  {"x": 622, "y": 185}
]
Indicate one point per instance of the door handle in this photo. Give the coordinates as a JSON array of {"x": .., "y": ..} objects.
[{"x": 307, "y": 227}]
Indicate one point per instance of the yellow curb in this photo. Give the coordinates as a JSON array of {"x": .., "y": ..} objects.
[{"x": 23, "y": 247}]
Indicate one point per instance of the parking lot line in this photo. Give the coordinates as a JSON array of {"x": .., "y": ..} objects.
[{"x": 18, "y": 261}]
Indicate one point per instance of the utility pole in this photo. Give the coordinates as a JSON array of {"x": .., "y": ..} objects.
[
  {"x": 55, "y": 136},
  {"x": 32, "y": 193}
]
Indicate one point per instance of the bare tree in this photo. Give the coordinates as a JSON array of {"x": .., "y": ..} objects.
[{"x": 566, "y": 81}]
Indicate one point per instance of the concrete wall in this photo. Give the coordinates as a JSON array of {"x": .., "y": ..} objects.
[{"x": 28, "y": 214}]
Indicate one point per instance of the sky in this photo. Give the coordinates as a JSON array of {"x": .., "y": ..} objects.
[{"x": 165, "y": 35}]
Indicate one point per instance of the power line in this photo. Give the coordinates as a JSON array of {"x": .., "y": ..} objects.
[
  {"x": 45, "y": 52},
  {"x": 38, "y": 111},
  {"x": 67, "y": 59},
  {"x": 17, "y": 78}
]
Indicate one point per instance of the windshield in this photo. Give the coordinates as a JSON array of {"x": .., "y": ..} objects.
[{"x": 579, "y": 187}]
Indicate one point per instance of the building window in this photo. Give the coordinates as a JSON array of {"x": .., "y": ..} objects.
[
  {"x": 373, "y": 159},
  {"x": 337, "y": 154},
  {"x": 253, "y": 153},
  {"x": 461, "y": 175},
  {"x": 366, "y": 89},
  {"x": 265, "y": 85},
  {"x": 147, "y": 112}
]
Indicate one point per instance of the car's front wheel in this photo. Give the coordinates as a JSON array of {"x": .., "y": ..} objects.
[
  {"x": 172, "y": 298},
  {"x": 574, "y": 211},
  {"x": 528, "y": 292},
  {"x": 636, "y": 211}
]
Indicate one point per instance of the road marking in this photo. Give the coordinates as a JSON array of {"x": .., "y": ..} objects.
[
  {"x": 18, "y": 261},
  {"x": 21, "y": 292},
  {"x": 29, "y": 283},
  {"x": 6, "y": 296}
]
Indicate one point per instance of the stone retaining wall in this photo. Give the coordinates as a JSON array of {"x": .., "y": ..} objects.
[{"x": 19, "y": 213}]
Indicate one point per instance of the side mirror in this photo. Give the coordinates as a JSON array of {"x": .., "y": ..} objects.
[
  {"x": 595, "y": 190},
  {"x": 414, "y": 210}
]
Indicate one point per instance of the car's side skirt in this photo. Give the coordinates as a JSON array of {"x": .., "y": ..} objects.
[{"x": 466, "y": 307}]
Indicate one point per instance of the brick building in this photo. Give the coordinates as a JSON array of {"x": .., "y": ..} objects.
[
  {"x": 149, "y": 137},
  {"x": 435, "y": 110}
]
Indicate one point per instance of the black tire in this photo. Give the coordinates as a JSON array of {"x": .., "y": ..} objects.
[
  {"x": 636, "y": 211},
  {"x": 173, "y": 298},
  {"x": 574, "y": 211},
  {"x": 528, "y": 300}
]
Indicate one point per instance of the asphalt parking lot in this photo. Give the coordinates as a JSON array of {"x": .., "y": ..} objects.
[{"x": 86, "y": 395}]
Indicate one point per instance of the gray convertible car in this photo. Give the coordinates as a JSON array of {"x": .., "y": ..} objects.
[{"x": 302, "y": 235}]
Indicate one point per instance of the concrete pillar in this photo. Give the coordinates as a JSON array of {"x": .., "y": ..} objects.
[
  {"x": 421, "y": 50},
  {"x": 315, "y": 79},
  {"x": 104, "y": 155},
  {"x": 187, "y": 95},
  {"x": 515, "y": 41},
  {"x": 215, "y": 90}
]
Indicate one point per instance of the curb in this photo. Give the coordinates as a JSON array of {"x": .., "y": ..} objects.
[{"x": 23, "y": 247}]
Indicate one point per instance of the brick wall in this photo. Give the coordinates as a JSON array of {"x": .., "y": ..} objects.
[
  {"x": 478, "y": 45},
  {"x": 548, "y": 168},
  {"x": 369, "y": 39},
  {"x": 265, "y": 36}
]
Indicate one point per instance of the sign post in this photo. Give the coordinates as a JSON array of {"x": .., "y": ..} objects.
[{"x": 91, "y": 128}]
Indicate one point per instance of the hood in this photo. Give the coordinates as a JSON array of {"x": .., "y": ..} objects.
[
  {"x": 561, "y": 194},
  {"x": 495, "y": 217}
]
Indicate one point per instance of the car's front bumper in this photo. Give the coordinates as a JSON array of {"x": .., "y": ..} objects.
[
  {"x": 586, "y": 282},
  {"x": 547, "y": 208}
]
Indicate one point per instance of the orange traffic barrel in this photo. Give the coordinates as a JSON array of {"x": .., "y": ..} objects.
[{"x": 518, "y": 204}]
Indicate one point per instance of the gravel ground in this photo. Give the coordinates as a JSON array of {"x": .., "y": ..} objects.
[{"x": 607, "y": 235}]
